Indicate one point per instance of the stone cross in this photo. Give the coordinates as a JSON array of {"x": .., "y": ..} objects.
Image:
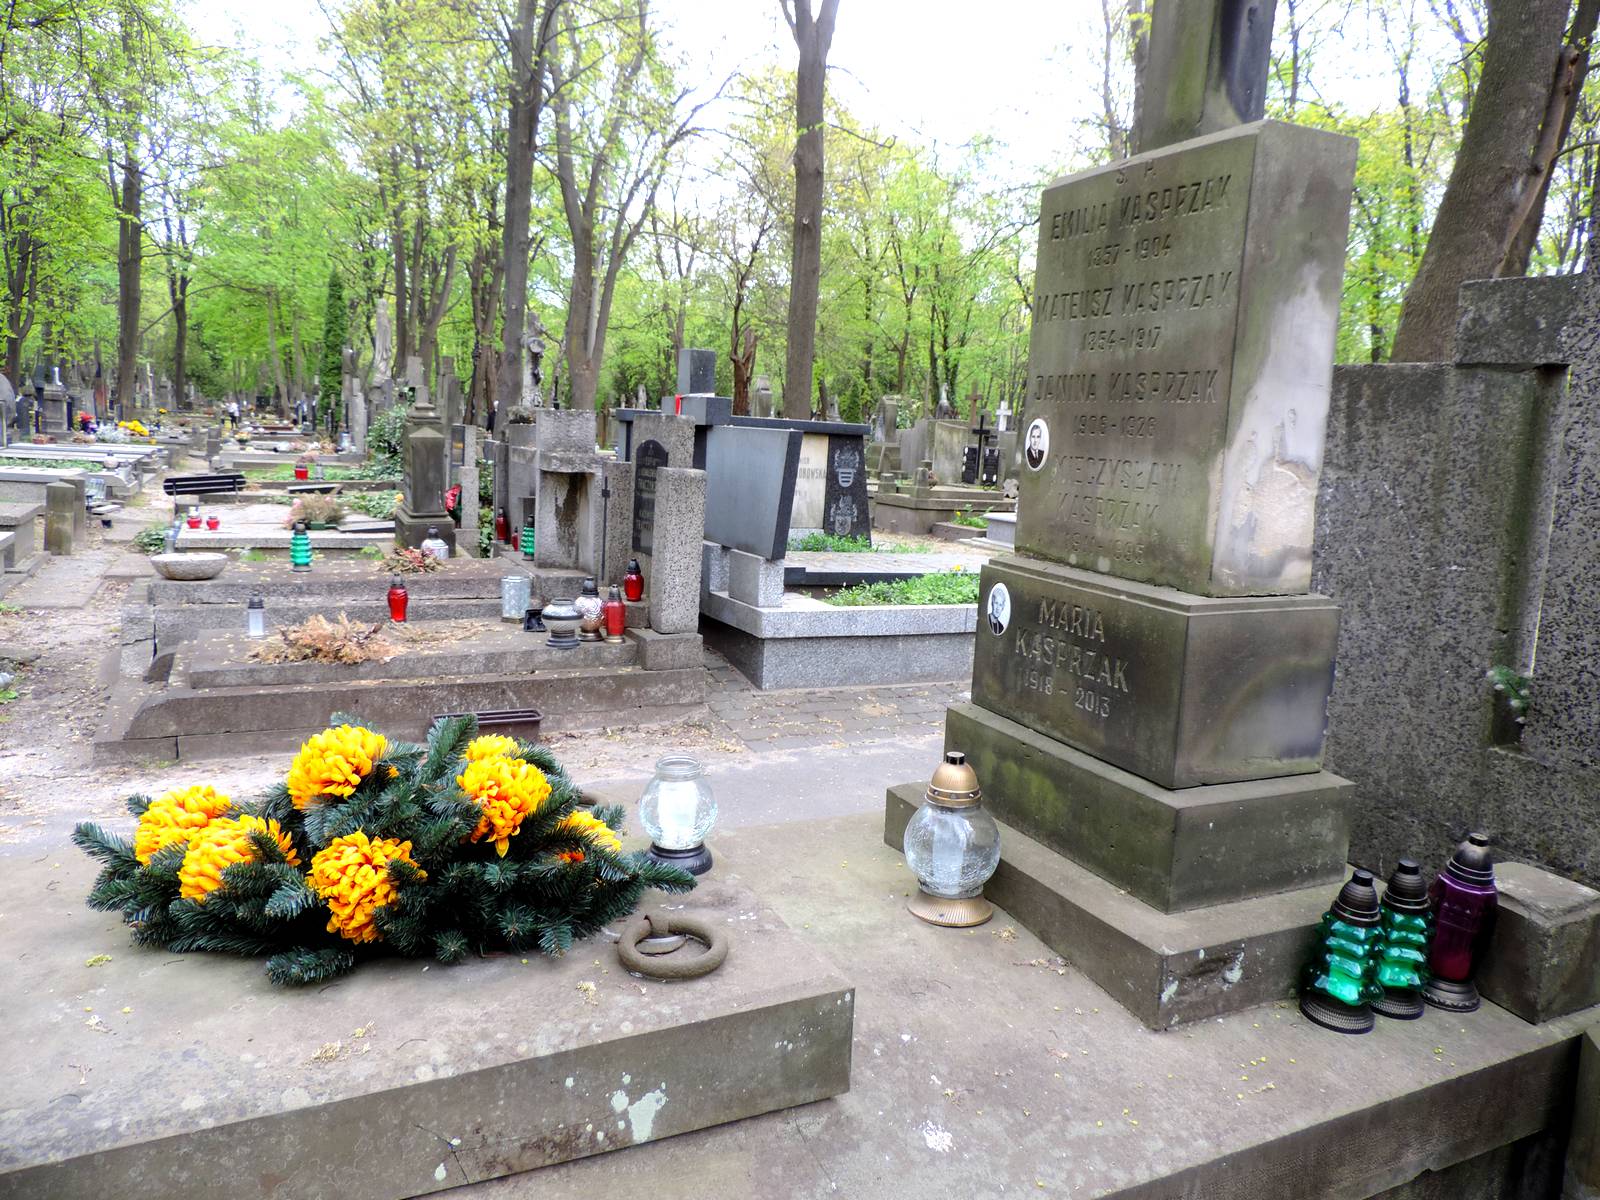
[
  {"x": 1205, "y": 69},
  {"x": 1003, "y": 417}
]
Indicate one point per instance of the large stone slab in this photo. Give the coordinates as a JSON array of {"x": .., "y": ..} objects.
[
  {"x": 192, "y": 1077},
  {"x": 1175, "y": 850},
  {"x": 1164, "y": 968},
  {"x": 751, "y": 476},
  {"x": 1544, "y": 958},
  {"x": 1182, "y": 690},
  {"x": 1184, "y": 319}
]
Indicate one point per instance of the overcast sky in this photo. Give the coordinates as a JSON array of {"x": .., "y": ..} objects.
[{"x": 939, "y": 71}]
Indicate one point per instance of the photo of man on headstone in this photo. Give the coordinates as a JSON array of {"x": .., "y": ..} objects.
[
  {"x": 999, "y": 611},
  {"x": 1038, "y": 444}
]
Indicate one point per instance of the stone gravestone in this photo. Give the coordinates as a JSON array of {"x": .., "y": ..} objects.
[
  {"x": 762, "y": 396},
  {"x": 1151, "y": 651},
  {"x": 697, "y": 372},
  {"x": 426, "y": 470},
  {"x": 468, "y": 475},
  {"x": 678, "y": 531},
  {"x": 751, "y": 474}
]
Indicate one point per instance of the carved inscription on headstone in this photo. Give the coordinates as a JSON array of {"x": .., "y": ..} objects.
[
  {"x": 650, "y": 457},
  {"x": 1182, "y": 345}
]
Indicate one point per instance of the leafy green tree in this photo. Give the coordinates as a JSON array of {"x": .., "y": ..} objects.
[{"x": 335, "y": 325}]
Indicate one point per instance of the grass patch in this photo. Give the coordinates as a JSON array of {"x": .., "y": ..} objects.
[
  {"x": 968, "y": 518},
  {"x": 831, "y": 543},
  {"x": 947, "y": 587},
  {"x": 285, "y": 473},
  {"x": 371, "y": 504},
  {"x": 56, "y": 464}
]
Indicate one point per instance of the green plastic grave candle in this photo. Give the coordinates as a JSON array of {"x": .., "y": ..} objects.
[
  {"x": 300, "y": 547},
  {"x": 1339, "y": 984},
  {"x": 527, "y": 540},
  {"x": 1400, "y": 954}
]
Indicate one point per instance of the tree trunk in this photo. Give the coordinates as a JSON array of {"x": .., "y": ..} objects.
[
  {"x": 130, "y": 244},
  {"x": 528, "y": 43},
  {"x": 1572, "y": 69},
  {"x": 180, "y": 339},
  {"x": 1498, "y": 171},
  {"x": 812, "y": 37},
  {"x": 280, "y": 391}
]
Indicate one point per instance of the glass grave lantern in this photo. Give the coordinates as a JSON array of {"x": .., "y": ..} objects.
[
  {"x": 255, "y": 617},
  {"x": 592, "y": 611},
  {"x": 300, "y": 547},
  {"x": 1465, "y": 901},
  {"x": 633, "y": 581},
  {"x": 561, "y": 617},
  {"x": 615, "y": 614},
  {"x": 1401, "y": 953},
  {"x": 678, "y": 810},
  {"x": 1340, "y": 982},
  {"x": 399, "y": 599},
  {"x": 516, "y": 594},
  {"x": 952, "y": 845},
  {"x": 435, "y": 545}
]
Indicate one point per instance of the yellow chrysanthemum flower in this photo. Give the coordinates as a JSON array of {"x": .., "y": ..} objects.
[
  {"x": 352, "y": 874},
  {"x": 491, "y": 745},
  {"x": 334, "y": 762},
  {"x": 221, "y": 844},
  {"x": 585, "y": 822},
  {"x": 507, "y": 790},
  {"x": 176, "y": 816}
]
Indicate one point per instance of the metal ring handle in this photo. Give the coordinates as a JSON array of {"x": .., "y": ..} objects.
[{"x": 659, "y": 924}]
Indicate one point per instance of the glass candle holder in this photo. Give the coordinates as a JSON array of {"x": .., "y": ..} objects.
[
  {"x": 561, "y": 618},
  {"x": 1465, "y": 901},
  {"x": 590, "y": 612},
  {"x": 435, "y": 545},
  {"x": 952, "y": 845},
  {"x": 515, "y": 593},
  {"x": 399, "y": 599},
  {"x": 615, "y": 613},
  {"x": 255, "y": 617},
  {"x": 528, "y": 541},
  {"x": 678, "y": 810},
  {"x": 633, "y": 581}
]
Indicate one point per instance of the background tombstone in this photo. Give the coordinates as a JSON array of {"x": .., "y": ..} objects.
[
  {"x": 751, "y": 474},
  {"x": 763, "y": 396},
  {"x": 468, "y": 475},
  {"x": 697, "y": 372}
]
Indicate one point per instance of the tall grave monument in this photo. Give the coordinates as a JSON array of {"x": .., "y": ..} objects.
[{"x": 1151, "y": 676}]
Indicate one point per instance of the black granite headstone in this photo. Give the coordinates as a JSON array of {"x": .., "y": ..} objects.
[
  {"x": 650, "y": 457},
  {"x": 697, "y": 372},
  {"x": 844, "y": 503}
]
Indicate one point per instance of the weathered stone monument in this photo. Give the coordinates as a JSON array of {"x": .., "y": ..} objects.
[
  {"x": 426, "y": 470},
  {"x": 1151, "y": 678}
]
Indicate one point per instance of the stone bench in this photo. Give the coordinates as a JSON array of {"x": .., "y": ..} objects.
[
  {"x": 8, "y": 549},
  {"x": 17, "y": 523}
]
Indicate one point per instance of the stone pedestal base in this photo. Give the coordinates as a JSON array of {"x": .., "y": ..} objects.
[
  {"x": 1180, "y": 689},
  {"x": 1166, "y": 969},
  {"x": 411, "y": 528},
  {"x": 1174, "y": 850}
]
